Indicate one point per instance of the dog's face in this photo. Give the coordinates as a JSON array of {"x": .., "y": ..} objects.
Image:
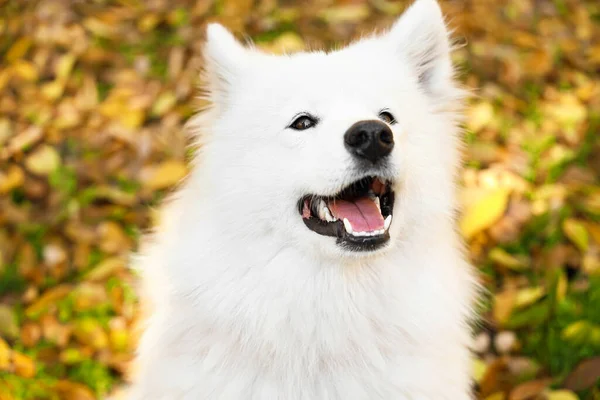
[{"x": 343, "y": 152}]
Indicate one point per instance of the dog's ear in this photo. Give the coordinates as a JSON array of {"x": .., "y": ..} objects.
[
  {"x": 224, "y": 58},
  {"x": 421, "y": 37}
]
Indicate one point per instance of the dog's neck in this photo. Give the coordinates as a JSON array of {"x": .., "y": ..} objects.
[{"x": 233, "y": 261}]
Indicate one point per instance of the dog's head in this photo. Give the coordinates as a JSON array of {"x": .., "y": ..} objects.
[{"x": 344, "y": 152}]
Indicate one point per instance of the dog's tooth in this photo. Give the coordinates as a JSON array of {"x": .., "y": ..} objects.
[
  {"x": 387, "y": 222},
  {"x": 348, "y": 226},
  {"x": 328, "y": 216},
  {"x": 322, "y": 208},
  {"x": 376, "y": 200}
]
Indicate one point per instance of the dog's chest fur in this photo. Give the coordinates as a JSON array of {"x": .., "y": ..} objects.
[{"x": 301, "y": 330}]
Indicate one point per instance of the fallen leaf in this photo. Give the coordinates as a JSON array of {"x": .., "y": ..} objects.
[
  {"x": 88, "y": 331},
  {"x": 484, "y": 213},
  {"x": 479, "y": 369},
  {"x": 8, "y": 322},
  {"x": 50, "y": 297},
  {"x": 345, "y": 13},
  {"x": 43, "y": 161},
  {"x": 505, "y": 259},
  {"x": 479, "y": 116},
  {"x": 163, "y": 103},
  {"x": 106, "y": 268},
  {"x": 23, "y": 365},
  {"x": 577, "y": 233},
  {"x": 504, "y": 303},
  {"x": 163, "y": 175},
  {"x": 73, "y": 391},
  {"x": 31, "y": 334},
  {"x": 528, "y": 296},
  {"x": 584, "y": 376},
  {"x": 5, "y": 356},
  {"x": 529, "y": 390},
  {"x": 561, "y": 395}
]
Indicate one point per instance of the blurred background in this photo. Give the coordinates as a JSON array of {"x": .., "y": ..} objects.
[{"x": 94, "y": 95}]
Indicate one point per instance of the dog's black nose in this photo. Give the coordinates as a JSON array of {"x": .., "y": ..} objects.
[{"x": 371, "y": 140}]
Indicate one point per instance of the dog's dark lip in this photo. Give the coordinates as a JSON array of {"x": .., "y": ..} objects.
[{"x": 360, "y": 188}]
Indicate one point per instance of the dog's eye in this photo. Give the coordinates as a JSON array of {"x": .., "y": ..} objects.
[
  {"x": 387, "y": 116},
  {"x": 303, "y": 122}
]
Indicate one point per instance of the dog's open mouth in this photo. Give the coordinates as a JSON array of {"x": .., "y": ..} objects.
[{"x": 359, "y": 216}]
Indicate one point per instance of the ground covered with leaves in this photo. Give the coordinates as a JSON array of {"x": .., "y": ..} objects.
[{"x": 93, "y": 97}]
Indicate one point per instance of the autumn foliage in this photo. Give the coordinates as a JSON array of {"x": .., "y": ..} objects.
[{"x": 93, "y": 99}]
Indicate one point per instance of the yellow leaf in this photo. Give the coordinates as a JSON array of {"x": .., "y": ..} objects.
[
  {"x": 595, "y": 335},
  {"x": 132, "y": 118},
  {"x": 48, "y": 298},
  {"x": 479, "y": 369},
  {"x": 479, "y": 116},
  {"x": 23, "y": 365},
  {"x": 43, "y": 161},
  {"x": 501, "y": 257},
  {"x": 528, "y": 296},
  {"x": 484, "y": 213},
  {"x": 114, "y": 195},
  {"x": 9, "y": 327},
  {"x": 287, "y": 43},
  {"x": 6, "y": 130},
  {"x": 504, "y": 303},
  {"x": 18, "y": 49},
  {"x": 592, "y": 203},
  {"x": 64, "y": 66},
  {"x": 25, "y": 70},
  {"x": 73, "y": 391},
  {"x": 594, "y": 231},
  {"x": 576, "y": 232},
  {"x": 67, "y": 117},
  {"x": 88, "y": 331},
  {"x": 5, "y": 354},
  {"x": 345, "y": 13},
  {"x": 53, "y": 90},
  {"x": 591, "y": 264},
  {"x": 562, "y": 286},
  {"x": 148, "y": 22},
  {"x": 577, "y": 331},
  {"x": 567, "y": 111},
  {"x": 594, "y": 55},
  {"x": 164, "y": 175},
  {"x": 163, "y": 103},
  {"x": 561, "y": 395},
  {"x": 105, "y": 269},
  {"x": 98, "y": 27},
  {"x": 88, "y": 295},
  {"x": 13, "y": 178},
  {"x": 5, "y": 75},
  {"x": 71, "y": 356}
]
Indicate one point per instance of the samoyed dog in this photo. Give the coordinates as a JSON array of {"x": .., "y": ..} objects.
[{"x": 312, "y": 251}]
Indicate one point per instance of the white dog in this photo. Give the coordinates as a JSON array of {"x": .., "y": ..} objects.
[{"x": 312, "y": 252}]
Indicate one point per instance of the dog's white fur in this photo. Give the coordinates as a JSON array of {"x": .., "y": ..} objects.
[{"x": 248, "y": 302}]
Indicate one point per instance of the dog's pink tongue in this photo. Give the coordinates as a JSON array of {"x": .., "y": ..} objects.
[{"x": 362, "y": 213}]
